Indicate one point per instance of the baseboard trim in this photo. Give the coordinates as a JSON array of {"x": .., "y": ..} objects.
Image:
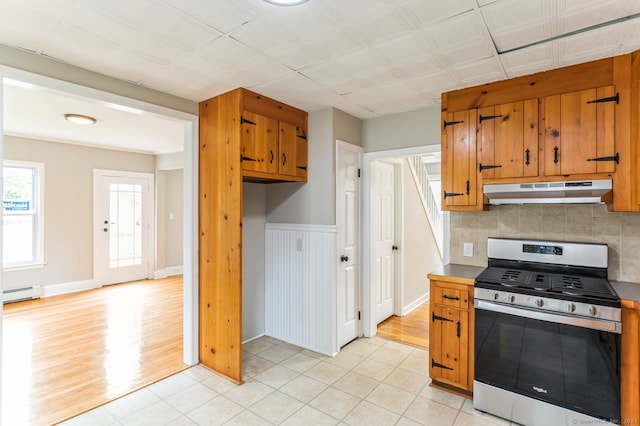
[
  {"x": 414, "y": 305},
  {"x": 168, "y": 272},
  {"x": 66, "y": 288}
]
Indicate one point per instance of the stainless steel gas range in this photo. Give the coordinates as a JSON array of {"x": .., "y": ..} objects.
[{"x": 547, "y": 334}]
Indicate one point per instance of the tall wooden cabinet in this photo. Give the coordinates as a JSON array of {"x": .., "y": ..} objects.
[{"x": 239, "y": 132}]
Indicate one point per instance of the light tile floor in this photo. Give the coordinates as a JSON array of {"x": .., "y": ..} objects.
[{"x": 370, "y": 382}]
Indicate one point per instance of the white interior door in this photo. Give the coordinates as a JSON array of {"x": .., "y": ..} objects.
[
  {"x": 123, "y": 226},
  {"x": 383, "y": 239},
  {"x": 348, "y": 237}
]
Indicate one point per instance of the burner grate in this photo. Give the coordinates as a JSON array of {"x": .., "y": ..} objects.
[{"x": 511, "y": 275}]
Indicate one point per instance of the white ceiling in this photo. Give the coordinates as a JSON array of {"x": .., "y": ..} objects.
[{"x": 368, "y": 58}]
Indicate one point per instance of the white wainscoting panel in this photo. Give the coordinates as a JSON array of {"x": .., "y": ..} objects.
[{"x": 300, "y": 285}]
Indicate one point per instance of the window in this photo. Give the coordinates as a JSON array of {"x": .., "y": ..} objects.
[{"x": 23, "y": 227}]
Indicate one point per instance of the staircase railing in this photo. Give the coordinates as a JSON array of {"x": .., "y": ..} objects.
[{"x": 430, "y": 200}]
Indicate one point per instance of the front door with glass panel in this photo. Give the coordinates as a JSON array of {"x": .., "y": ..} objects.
[{"x": 123, "y": 231}]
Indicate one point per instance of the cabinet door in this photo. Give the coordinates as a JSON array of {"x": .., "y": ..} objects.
[
  {"x": 509, "y": 140},
  {"x": 579, "y": 132},
  {"x": 288, "y": 144},
  {"x": 301, "y": 153},
  {"x": 460, "y": 159},
  {"x": 259, "y": 143},
  {"x": 448, "y": 350}
]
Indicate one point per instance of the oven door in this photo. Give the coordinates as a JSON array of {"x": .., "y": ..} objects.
[{"x": 540, "y": 356}]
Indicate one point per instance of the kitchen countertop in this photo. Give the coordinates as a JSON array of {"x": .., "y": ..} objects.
[
  {"x": 461, "y": 274},
  {"x": 627, "y": 290},
  {"x": 465, "y": 274}
]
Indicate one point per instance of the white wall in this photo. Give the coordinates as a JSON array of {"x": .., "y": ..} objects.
[
  {"x": 419, "y": 248},
  {"x": 173, "y": 214},
  {"x": 68, "y": 190},
  {"x": 314, "y": 202},
  {"x": 406, "y": 130},
  {"x": 254, "y": 200}
]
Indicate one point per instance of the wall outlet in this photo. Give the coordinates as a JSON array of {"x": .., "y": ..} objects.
[{"x": 467, "y": 250}]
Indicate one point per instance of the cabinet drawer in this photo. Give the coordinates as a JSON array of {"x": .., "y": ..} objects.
[{"x": 451, "y": 296}]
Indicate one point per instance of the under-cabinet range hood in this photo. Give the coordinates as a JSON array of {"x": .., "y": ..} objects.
[{"x": 583, "y": 191}]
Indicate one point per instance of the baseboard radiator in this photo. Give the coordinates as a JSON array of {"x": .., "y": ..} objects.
[
  {"x": 20, "y": 294},
  {"x": 299, "y": 285}
]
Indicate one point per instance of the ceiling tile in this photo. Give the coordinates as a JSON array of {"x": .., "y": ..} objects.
[
  {"x": 332, "y": 44},
  {"x": 519, "y": 22},
  {"x": 457, "y": 33},
  {"x": 529, "y": 61},
  {"x": 409, "y": 48},
  {"x": 223, "y": 15},
  {"x": 378, "y": 27},
  {"x": 578, "y": 14},
  {"x": 264, "y": 36},
  {"x": 477, "y": 72},
  {"x": 588, "y": 46},
  {"x": 25, "y": 26},
  {"x": 419, "y": 13}
]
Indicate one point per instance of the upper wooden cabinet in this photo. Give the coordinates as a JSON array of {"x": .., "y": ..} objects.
[
  {"x": 274, "y": 147},
  {"x": 508, "y": 140},
  {"x": 459, "y": 188},
  {"x": 579, "y": 132},
  {"x": 588, "y": 122}
]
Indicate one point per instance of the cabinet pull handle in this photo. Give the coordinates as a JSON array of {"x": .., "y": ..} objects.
[
  {"x": 244, "y": 120},
  {"x": 489, "y": 166},
  {"x": 468, "y": 187},
  {"x": 555, "y": 155},
  {"x": 451, "y": 194},
  {"x": 452, "y": 123},
  {"x": 243, "y": 158},
  {"x": 302, "y": 168},
  {"x": 284, "y": 158},
  {"x": 488, "y": 117},
  {"x": 271, "y": 154},
  {"x": 444, "y": 296},
  {"x": 615, "y": 98},
  {"x": 526, "y": 156},
  {"x": 435, "y": 318},
  {"x": 302, "y": 137},
  {"x": 438, "y": 365},
  {"x": 458, "y": 329},
  {"x": 615, "y": 158}
]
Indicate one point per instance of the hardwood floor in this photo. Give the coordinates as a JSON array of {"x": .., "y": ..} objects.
[
  {"x": 67, "y": 354},
  {"x": 412, "y": 329}
]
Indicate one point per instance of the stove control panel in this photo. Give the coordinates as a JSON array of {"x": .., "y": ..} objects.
[{"x": 547, "y": 304}]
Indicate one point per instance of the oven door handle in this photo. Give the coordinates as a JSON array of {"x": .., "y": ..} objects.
[{"x": 594, "y": 324}]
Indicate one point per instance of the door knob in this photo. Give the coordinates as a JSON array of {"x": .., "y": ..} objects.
[
  {"x": 344, "y": 258},
  {"x": 105, "y": 230}
]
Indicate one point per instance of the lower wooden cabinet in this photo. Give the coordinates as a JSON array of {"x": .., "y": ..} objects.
[{"x": 451, "y": 335}]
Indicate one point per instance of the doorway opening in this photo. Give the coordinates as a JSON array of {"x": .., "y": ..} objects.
[
  {"x": 188, "y": 124},
  {"x": 420, "y": 245}
]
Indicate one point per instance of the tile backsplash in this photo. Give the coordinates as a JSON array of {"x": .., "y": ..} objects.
[{"x": 566, "y": 222}]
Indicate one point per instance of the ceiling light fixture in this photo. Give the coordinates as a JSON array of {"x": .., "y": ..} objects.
[
  {"x": 80, "y": 119},
  {"x": 286, "y": 2}
]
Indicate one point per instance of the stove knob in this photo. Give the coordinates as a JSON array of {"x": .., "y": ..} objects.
[
  {"x": 592, "y": 310},
  {"x": 511, "y": 298},
  {"x": 496, "y": 295},
  {"x": 539, "y": 303},
  {"x": 570, "y": 307}
]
